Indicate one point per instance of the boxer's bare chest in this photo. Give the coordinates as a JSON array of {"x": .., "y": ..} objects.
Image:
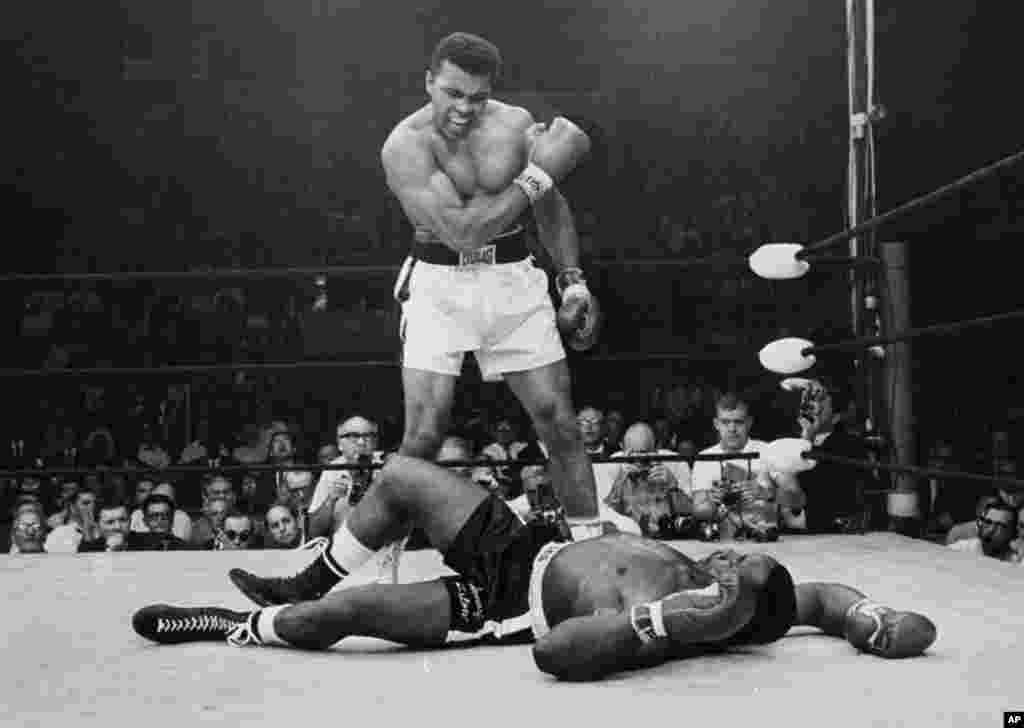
[
  {"x": 485, "y": 162},
  {"x": 635, "y": 572}
]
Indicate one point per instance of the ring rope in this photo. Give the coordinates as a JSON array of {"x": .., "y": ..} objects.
[
  {"x": 713, "y": 260},
  {"x": 268, "y": 468},
  {"x": 814, "y": 454},
  {"x": 873, "y": 222},
  {"x": 324, "y": 270},
  {"x": 324, "y": 364},
  {"x": 869, "y": 341}
]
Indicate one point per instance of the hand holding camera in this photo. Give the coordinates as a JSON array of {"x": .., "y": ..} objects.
[{"x": 361, "y": 478}]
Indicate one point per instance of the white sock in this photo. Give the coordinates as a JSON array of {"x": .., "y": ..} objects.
[
  {"x": 347, "y": 551},
  {"x": 265, "y": 626}
]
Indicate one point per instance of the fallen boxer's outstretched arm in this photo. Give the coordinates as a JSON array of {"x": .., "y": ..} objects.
[
  {"x": 842, "y": 611},
  {"x": 588, "y": 648}
]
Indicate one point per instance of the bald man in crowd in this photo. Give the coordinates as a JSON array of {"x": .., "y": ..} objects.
[
  {"x": 337, "y": 491},
  {"x": 356, "y": 438},
  {"x": 649, "y": 492}
]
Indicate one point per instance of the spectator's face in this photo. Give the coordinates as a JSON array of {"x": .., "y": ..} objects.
[
  {"x": 356, "y": 436},
  {"x": 294, "y": 488},
  {"x": 996, "y": 530},
  {"x": 29, "y": 507},
  {"x": 221, "y": 488},
  {"x": 237, "y": 533},
  {"x": 159, "y": 518},
  {"x": 282, "y": 526},
  {"x": 142, "y": 490},
  {"x": 215, "y": 509},
  {"x": 281, "y": 447},
  {"x": 85, "y": 505},
  {"x": 114, "y": 520},
  {"x": 591, "y": 424},
  {"x": 28, "y": 532},
  {"x": 327, "y": 453},
  {"x": 733, "y": 428}
]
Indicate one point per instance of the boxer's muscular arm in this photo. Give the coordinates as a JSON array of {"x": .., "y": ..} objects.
[
  {"x": 587, "y": 648},
  {"x": 557, "y": 230},
  {"x": 430, "y": 198}
]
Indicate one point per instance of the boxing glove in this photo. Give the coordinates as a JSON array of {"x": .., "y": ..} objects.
[
  {"x": 579, "y": 316},
  {"x": 711, "y": 614},
  {"x": 559, "y": 147},
  {"x": 884, "y": 632}
]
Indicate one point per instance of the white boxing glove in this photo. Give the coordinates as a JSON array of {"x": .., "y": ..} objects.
[{"x": 785, "y": 455}]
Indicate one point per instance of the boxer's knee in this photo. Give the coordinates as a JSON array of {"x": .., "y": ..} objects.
[{"x": 303, "y": 625}]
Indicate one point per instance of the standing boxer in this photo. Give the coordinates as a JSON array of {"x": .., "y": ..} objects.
[{"x": 466, "y": 169}]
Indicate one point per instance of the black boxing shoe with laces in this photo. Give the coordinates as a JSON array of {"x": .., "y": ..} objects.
[
  {"x": 318, "y": 578},
  {"x": 169, "y": 625}
]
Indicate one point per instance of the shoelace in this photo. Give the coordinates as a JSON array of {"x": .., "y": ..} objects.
[
  {"x": 879, "y": 638},
  {"x": 318, "y": 544},
  {"x": 241, "y": 635},
  {"x": 199, "y": 622}
]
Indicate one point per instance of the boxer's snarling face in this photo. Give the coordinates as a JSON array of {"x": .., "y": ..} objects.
[{"x": 458, "y": 99}]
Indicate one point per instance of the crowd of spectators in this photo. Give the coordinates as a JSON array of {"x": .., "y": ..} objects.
[{"x": 131, "y": 497}]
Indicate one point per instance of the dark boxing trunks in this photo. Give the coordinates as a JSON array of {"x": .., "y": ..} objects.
[{"x": 493, "y": 555}]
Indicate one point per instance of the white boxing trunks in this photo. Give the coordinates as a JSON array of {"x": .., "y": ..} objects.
[{"x": 501, "y": 312}]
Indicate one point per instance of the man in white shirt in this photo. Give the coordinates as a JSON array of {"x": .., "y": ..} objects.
[
  {"x": 357, "y": 442},
  {"x": 337, "y": 491},
  {"x": 734, "y": 492}
]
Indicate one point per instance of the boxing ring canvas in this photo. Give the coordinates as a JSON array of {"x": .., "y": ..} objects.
[{"x": 71, "y": 657}]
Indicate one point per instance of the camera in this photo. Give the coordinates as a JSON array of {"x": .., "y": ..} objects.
[
  {"x": 640, "y": 473},
  {"x": 766, "y": 534},
  {"x": 361, "y": 478},
  {"x": 732, "y": 495}
]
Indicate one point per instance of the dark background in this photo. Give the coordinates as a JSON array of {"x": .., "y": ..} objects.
[{"x": 156, "y": 135}]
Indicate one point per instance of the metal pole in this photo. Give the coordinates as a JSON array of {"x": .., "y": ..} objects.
[{"x": 898, "y": 386}]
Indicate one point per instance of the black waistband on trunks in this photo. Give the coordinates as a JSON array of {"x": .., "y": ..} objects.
[{"x": 509, "y": 247}]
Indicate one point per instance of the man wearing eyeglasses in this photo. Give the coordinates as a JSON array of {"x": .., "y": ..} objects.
[
  {"x": 158, "y": 514},
  {"x": 997, "y": 529},
  {"x": 334, "y": 494},
  {"x": 338, "y": 491},
  {"x": 237, "y": 533}
]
